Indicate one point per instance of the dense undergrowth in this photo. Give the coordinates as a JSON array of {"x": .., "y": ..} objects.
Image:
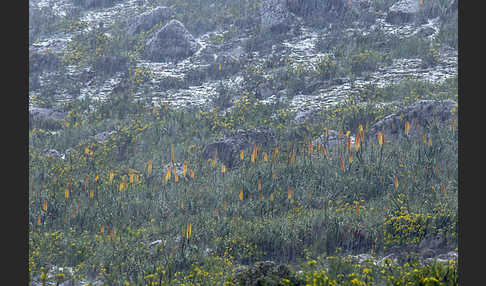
[
  {"x": 100, "y": 209},
  {"x": 143, "y": 208}
]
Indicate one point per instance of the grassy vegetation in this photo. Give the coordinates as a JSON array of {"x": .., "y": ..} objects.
[
  {"x": 99, "y": 209},
  {"x": 144, "y": 208}
]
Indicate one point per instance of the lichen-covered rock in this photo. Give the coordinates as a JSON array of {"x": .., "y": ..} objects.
[
  {"x": 228, "y": 148},
  {"x": 422, "y": 114},
  {"x": 275, "y": 15},
  {"x": 45, "y": 118},
  {"x": 149, "y": 19},
  {"x": 404, "y": 11},
  {"x": 266, "y": 273},
  {"x": 171, "y": 42}
]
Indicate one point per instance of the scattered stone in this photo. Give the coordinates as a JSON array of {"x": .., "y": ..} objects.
[
  {"x": 171, "y": 42},
  {"x": 54, "y": 153},
  {"x": 104, "y": 136}
]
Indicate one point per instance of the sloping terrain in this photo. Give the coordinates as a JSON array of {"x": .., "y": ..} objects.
[{"x": 243, "y": 142}]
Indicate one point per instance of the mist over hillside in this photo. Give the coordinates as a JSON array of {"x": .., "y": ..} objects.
[{"x": 243, "y": 142}]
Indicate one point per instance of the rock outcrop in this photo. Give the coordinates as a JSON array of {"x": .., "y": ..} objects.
[
  {"x": 45, "y": 118},
  {"x": 275, "y": 16},
  {"x": 171, "y": 42},
  {"x": 149, "y": 19},
  {"x": 420, "y": 115},
  {"x": 228, "y": 148},
  {"x": 402, "y": 12}
]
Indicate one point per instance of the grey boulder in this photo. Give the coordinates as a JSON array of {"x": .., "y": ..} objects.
[
  {"x": 422, "y": 114},
  {"x": 228, "y": 148},
  {"x": 275, "y": 15},
  {"x": 402, "y": 12},
  {"x": 171, "y": 42},
  {"x": 149, "y": 19},
  {"x": 45, "y": 118}
]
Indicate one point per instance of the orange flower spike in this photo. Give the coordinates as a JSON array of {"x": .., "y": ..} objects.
[
  {"x": 44, "y": 206},
  {"x": 259, "y": 184},
  {"x": 39, "y": 219},
  {"x": 271, "y": 197},
  {"x": 184, "y": 170},
  {"x": 223, "y": 168},
  {"x": 395, "y": 181},
  {"x": 349, "y": 144},
  {"x": 351, "y": 157},
  {"x": 91, "y": 193},
  {"x": 102, "y": 229},
  {"x": 407, "y": 127},
  {"x": 289, "y": 193},
  {"x": 149, "y": 167},
  {"x": 172, "y": 153},
  {"x": 310, "y": 147},
  {"x": 342, "y": 162},
  {"x": 357, "y": 143},
  {"x": 261, "y": 196},
  {"x": 380, "y": 138},
  {"x": 66, "y": 194},
  {"x": 176, "y": 177},
  {"x": 223, "y": 207},
  {"x": 358, "y": 209},
  {"x": 452, "y": 125},
  {"x": 241, "y": 194},
  {"x": 265, "y": 157},
  {"x": 189, "y": 230},
  {"x": 242, "y": 155},
  {"x": 166, "y": 104}
]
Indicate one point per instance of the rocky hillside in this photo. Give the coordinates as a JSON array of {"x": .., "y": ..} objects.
[
  {"x": 243, "y": 142},
  {"x": 303, "y": 53}
]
